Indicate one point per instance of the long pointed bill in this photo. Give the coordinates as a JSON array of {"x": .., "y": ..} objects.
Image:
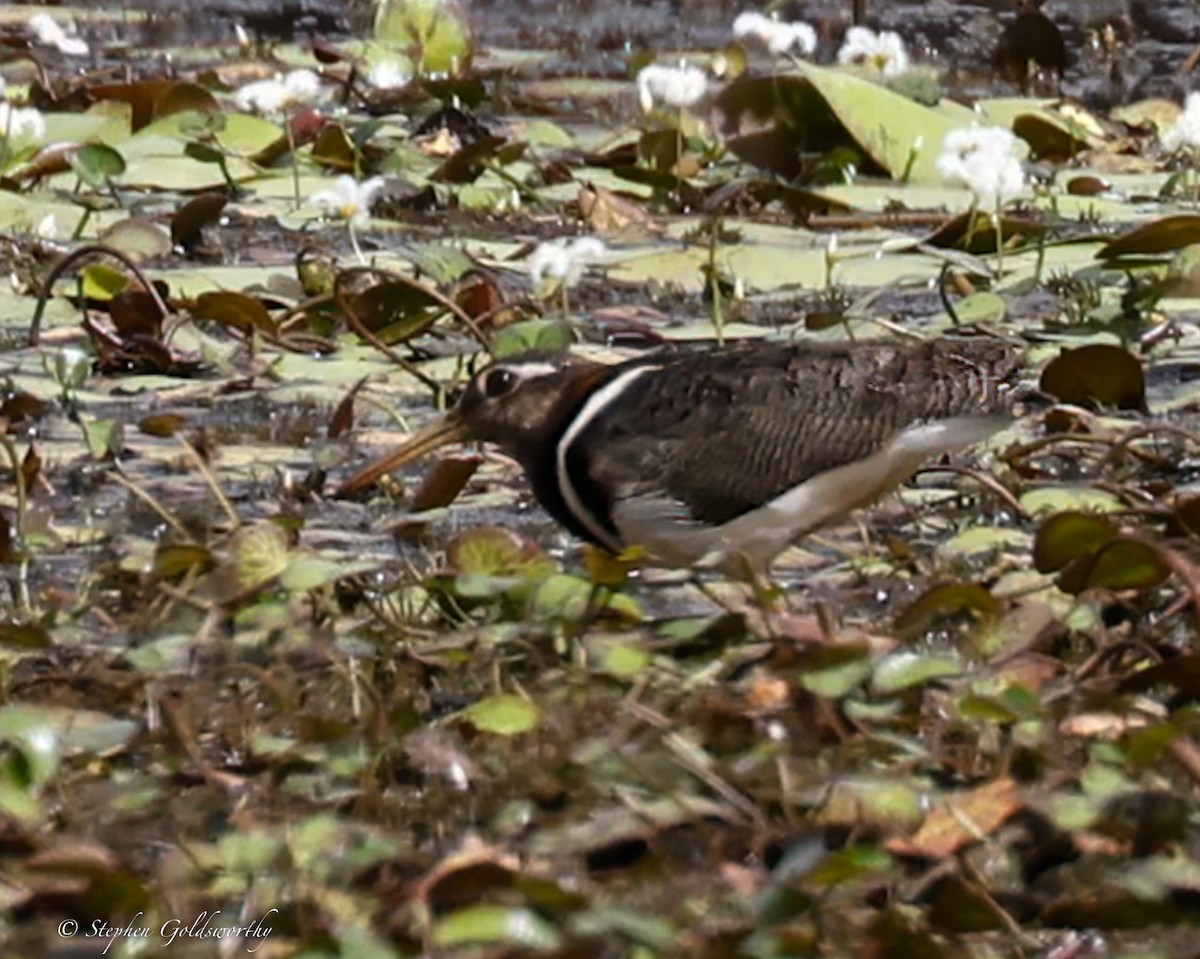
[{"x": 449, "y": 429}]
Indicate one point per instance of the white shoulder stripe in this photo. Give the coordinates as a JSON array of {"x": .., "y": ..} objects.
[{"x": 593, "y": 407}]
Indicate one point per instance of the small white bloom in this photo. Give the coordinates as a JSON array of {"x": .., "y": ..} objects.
[
  {"x": 50, "y": 32},
  {"x": 677, "y": 87},
  {"x": 884, "y": 51},
  {"x": 984, "y": 160},
  {"x": 280, "y": 93},
  {"x": 47, "y": 227},
  {"x": 776, "y": 36},
  {"x": 348, "y": 199},
  {"x": 1186, "y": 131},
  {"x": 388, "y": 75},
  {"x": 564, "y": 259},
  {"x": 21, "y": 123}
]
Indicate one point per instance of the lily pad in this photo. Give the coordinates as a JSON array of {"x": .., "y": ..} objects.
[
  {"x": 1098, "y": 374},
  {"x": 504, "y": 715}
]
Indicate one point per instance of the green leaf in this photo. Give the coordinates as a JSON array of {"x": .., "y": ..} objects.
[
  {"x": 105, "y": 438},
  {"x": 548, "y": 336},
  {"x": 903, "y": 670},
  {"x": 896, "y": 132},
  {"x": 625, "y": 661},
  {"x": 102, "y": 282},
  {"x": 1065, "y": 537},
  {"x": 944, "y": 601},
  {"x": 95, "y": 164},
  {"x": 510, "y": 925},
  {"x": 1121, "y": 563},
  {"x": 504, "y": 715},
  {"x": 432, "y": 33}
]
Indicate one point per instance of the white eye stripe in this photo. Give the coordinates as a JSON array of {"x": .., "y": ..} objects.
[{"x": 524, "y": 371}]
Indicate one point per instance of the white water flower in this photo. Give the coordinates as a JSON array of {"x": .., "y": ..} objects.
[
  {"x": 298, "y": 88},
  {"x": 564, "y": 259},
  {"x": 884, "y": 51},
  {"x": 984, "y": 160},
  {"x": 50, "y": 32},
  {"x": 348, "y": 199},
  {"x": 775, "y": 35},
  {"x": 676, "y": 87},
  {"x": 388, "y": 75},
  {"x": 1186, "y": 131},
  {"x": 47, "y": 227},
  {"x": 21, "y": 123}
]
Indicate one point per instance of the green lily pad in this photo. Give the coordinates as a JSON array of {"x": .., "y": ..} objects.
[
  {"x": 490, "y": 924},
  {"x": 905, "y": 669},
  {"x": 432, "y": 34},
  {"x": 1065, "y": 537},
  {"x": 899, "y": 134},
  {"x": 504, "y": 715}
]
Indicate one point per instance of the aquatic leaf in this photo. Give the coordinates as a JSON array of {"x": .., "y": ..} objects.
[
  {"x": 172, "y": 560},
  {"x": 105, "y": 437},
  {"x": 492, "y": 550},
  {"x": 138, "y": 236},
  {"x": 1052, "y": 136},
  {"x": 1158, "y": 236},
  {"x": 433, "y": 34},
  {"x": 544, "y": 336},
  {"x": 975, "y": 232},
  {"x": 1097, "y": 374},
  {"x": 902, "y": 136},
  {"x": 238, "y": 311},
  {"x": 96, "y": 164},
  {"x": 444, "y": 481},
  {"x": 1056, "y": 499},
  {"x": 886, "y": 803},
  {"x": 504, "y": 715},
  {"x": 835, "y": 671},
  {"x": 396, "y": 312},
  {"x": 492, "y": 924},
  {"x": 1121, "y": 563},
  {"x": 942, "y": 602},
  {"x": 23, "y": 635},
  {"x": 1065, "y": 537},
  {"x": 151, "y": 99},
  {"x": 624, "y": 660},
  {"x": 905, "y": 669},
  {"x": 468, "y": 163},
  {"x": 981, "y": 308},
  {"x": 189, "y": 221},
  {"x": 333, "y": 148},
  {"x": 306, "y": 572},
  {"x": 260, "y": 553},
  {"x": 101, "y": 282}
]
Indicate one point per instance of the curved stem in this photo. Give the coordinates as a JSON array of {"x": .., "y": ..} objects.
[
  {"x": 356, "y": 324},
  {"x": 70, "y": 260}
]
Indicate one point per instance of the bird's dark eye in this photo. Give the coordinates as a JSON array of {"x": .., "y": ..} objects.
[{"x": 498, "y": 382}]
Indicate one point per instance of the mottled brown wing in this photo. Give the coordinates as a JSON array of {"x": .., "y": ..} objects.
[{"x": 723, "y": 432}]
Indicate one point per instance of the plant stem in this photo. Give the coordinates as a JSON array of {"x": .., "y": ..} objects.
[
  {"x": 998, "y": 222},
  {"x": 291, "y": 139}
]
